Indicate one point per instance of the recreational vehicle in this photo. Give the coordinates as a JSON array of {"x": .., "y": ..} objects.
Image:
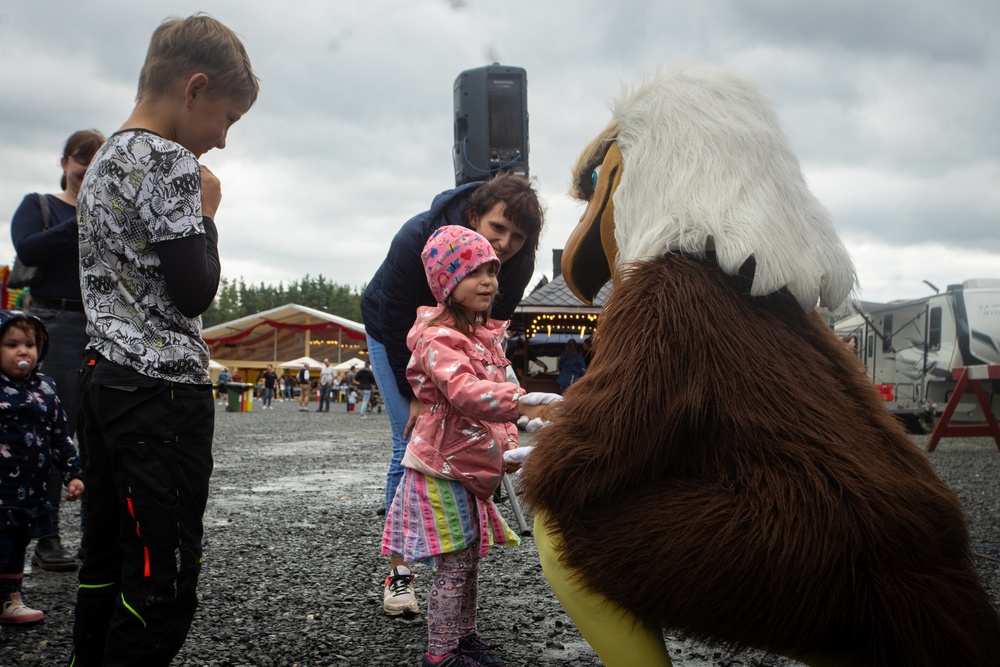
[{"x": 909, "y": 349}]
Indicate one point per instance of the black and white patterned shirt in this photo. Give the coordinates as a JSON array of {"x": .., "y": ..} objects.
[{"x": 141, "y": 189}]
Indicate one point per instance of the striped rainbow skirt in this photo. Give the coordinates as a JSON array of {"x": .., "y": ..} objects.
[{"x": 430, "y": 516}]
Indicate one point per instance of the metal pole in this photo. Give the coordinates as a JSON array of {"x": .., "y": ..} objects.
[{"x": 508, "y": 486}]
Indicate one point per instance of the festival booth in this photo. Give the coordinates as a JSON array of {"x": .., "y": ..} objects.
[
  {"x": 251, "y": 343},
  {"x": 546, "y": 320}
]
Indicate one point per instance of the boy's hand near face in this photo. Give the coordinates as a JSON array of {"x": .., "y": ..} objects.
[
  {"x": 211, "y": 193},
  {"x": 74, "y": 489}
]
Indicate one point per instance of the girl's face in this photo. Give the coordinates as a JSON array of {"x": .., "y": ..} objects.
[
  {"x": 475, "y": 292},
  {"x": 18, "y": 353}
]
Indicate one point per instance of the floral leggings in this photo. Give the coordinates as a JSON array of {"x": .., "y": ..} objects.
[{"x": 451, "y": 608}]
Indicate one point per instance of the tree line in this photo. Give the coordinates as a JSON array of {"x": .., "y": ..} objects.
[{"x": 237, "y": 299}]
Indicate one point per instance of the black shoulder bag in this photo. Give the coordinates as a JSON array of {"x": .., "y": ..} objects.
[{"x": 22, "y": 275}]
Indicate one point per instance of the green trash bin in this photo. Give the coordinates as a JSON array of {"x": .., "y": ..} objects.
[{"x": 235, "y": 390}]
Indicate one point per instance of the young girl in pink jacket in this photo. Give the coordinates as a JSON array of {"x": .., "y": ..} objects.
[{"x": 443, "y": 514}]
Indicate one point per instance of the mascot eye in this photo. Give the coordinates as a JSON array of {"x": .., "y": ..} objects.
[{"x": 594, "y": 177}]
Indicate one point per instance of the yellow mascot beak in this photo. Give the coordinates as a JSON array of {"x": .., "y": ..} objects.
[{"x": 591, "y": 250}]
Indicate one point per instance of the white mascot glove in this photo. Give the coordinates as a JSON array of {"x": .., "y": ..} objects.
[
  {"x": 539, "y": 398},
  {"x": 530, "y": 425},
  {"x": 517, "y": 455},
  {"x": 536, "y": 398}
]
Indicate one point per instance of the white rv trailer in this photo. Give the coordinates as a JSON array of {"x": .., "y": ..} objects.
[{"x": 910, "y": 347}]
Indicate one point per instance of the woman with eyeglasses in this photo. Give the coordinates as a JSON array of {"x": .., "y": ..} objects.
[{"x": 57, "y": 302}]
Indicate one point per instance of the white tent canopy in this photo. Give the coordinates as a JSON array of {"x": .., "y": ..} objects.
[
  {"x": 346, "y": 366},
  {"x": 297, "y": 363}
]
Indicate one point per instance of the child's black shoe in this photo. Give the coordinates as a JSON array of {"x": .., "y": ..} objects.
[{"x": 473, "y": 646}]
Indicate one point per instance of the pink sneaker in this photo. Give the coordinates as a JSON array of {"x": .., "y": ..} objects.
[{"x": 14, "y": 611}]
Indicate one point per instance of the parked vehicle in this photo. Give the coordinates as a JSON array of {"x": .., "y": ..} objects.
[{"x": 910, "y": 348}]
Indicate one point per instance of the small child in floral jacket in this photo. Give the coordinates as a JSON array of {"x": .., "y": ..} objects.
[{"x": 33, "y": 437}]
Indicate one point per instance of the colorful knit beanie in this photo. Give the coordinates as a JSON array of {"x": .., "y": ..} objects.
[{"x": 452, "y": 253}]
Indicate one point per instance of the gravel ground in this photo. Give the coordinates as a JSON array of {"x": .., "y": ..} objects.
[{"x": 292, "y": 572}]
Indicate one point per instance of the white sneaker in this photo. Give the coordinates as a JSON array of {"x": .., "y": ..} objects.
[
  {"x": 14, "y": 611},
  {"x": 398, "y": 598}
]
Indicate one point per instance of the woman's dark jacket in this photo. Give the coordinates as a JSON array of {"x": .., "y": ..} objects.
[{"x": 389, "y": 304}]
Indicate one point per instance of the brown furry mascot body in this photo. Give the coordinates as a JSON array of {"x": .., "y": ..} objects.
[{"x": 743, "y": 484}]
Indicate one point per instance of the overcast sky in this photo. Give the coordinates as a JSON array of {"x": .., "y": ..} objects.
[{"x": 892, "y": 106}]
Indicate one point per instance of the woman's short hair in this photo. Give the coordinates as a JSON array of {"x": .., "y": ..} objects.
[
  {"x": 521, "y": 205},
  {"x": 182, "y": 47}
]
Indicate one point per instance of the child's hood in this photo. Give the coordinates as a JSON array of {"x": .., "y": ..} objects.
[{"x": 7, "y": 317}]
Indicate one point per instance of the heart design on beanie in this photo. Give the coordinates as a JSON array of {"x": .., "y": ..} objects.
[{"x": 450, "y": 255}]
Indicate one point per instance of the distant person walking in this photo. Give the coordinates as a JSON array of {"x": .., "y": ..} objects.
[
  {"x": 326, "y": 377},
  {"x": 365, "y": 380},
  {"x": 270, "y": 379},
  {"x": 571, "y": 365},
  {"x": 349, "y": 381},
  {"x": 305, "y": 385},
  {"x": 223, "y": 386}
]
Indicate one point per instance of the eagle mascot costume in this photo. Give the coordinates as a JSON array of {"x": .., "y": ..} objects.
[{"x": 725, "y": 469}]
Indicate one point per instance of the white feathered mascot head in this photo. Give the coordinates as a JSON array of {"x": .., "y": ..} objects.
[{"x": 695, "y": 160}]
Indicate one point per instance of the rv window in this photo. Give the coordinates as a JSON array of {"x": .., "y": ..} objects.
[
  {"x": 871, "y": 345},
  {"x": 887, "y": 333},
  {"x": 934, "y": 329}
]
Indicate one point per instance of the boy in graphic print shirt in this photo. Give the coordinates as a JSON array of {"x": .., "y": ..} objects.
[{"x": 149, "y": 268}]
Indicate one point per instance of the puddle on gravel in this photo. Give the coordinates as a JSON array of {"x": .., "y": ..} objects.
[
  {"x": 297, "y": 448},
  {"x": 332, "y": 482}
]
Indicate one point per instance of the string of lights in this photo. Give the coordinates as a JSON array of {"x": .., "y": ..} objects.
[{"x": 562, "y": 323}]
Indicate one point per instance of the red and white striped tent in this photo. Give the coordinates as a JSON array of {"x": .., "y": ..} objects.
[{"x": 287, "y": 332}]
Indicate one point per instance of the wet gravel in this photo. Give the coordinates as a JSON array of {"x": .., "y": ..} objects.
[{"x": 292, "y": 573}]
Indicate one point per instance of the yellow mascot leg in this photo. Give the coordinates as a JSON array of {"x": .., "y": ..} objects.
[{"x": 618, "y": 637}]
